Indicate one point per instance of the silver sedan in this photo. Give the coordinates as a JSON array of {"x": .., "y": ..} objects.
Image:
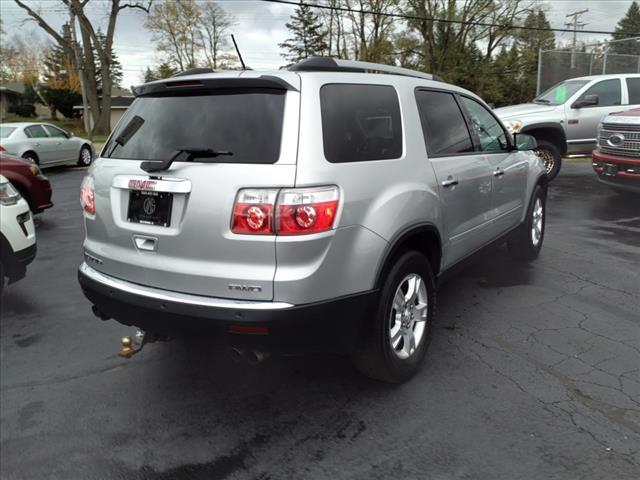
[{"x": 45, "y": 144}]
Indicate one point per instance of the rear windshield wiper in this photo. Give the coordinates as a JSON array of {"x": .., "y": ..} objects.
[{"x": 182, "y": 155}]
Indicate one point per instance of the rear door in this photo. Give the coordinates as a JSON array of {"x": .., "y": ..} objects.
[
  {"x": 508, "y": 168},
  {"x": 42, "y": 144},
  {"x": 464, "y": 176},
  {"x": 184, "y": 243}
]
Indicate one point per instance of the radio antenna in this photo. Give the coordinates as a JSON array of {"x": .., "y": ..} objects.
[{"x": 244, "y": 67}]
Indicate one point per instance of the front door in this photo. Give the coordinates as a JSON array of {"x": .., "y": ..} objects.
[
  {"x": 463, "y": 176},
  {"x": 67, "y": 150},
  {"x": 509, "y": 168},
  {"x": 582, "y": 123}
]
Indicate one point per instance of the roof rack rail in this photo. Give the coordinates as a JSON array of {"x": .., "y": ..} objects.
[
  {"x": 328, "y": 64},
  {"x": 194, "y": 71}
]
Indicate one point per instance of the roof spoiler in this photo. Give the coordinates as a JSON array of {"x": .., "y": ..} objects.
[{"x": 174, "y": 85}]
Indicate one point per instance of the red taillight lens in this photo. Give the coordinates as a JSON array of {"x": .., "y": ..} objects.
[
  {"x": 299, "y": 211},
  {"x": 2, "y": 149},
  {"x": 253, "y": 212},
  {"x": 307, "y": 210},
  {"x": 87, "y": 195}
]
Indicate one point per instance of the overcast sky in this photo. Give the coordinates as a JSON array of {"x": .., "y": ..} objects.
[{"x": 261, "y": 26}]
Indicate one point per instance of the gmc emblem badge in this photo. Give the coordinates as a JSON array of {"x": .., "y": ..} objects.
[{"x": 142, "y": 184}]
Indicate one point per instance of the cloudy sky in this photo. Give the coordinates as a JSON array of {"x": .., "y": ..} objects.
[{"x": 260, "y": 27}]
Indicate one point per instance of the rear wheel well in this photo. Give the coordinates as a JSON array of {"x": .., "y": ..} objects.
[
  {"x": 425, "y": 240},
  {"x": 552, "y": 135},
  {"x": 32, "y": 154}
]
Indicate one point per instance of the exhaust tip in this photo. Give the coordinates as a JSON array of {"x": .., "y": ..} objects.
[
  {"x": 254, "y": 357},
  {"x": 99, "y": 313}
]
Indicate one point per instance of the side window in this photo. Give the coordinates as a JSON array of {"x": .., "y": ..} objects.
[
  {"x": 444, "y": 127},
  {"x": 487, "y": 129},
  {"x": 608, "y": 91},
  {"x": 633, "y": 85},
  {"x": 55, "y": 132},
  {"x": 360, "y": 122},
  {"x": 35, "y": 131}
]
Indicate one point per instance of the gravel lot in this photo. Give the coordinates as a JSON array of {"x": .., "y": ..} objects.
[{"x": 533, "y": 373}]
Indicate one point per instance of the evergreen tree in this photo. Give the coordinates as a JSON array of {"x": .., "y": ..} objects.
[
  {"x": 61, "y": 88},
  {"x": 116, "y": 66},
  {"x": 308, "y": 38},
  {"x": 628, "y": 27},
  {"x": 529, "y": 43}
]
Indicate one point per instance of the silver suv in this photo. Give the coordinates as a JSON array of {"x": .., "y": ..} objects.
[
  {"x": 308, "y": 209},
  {"x": 565, "y": 118}
]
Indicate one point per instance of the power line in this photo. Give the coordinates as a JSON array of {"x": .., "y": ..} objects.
[{"x": 432, "y": 19}]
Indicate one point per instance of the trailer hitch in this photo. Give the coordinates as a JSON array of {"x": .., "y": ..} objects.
[{"x": 134, "y": 345}]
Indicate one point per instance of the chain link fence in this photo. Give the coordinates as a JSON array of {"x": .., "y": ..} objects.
[{"x": 618, "y": 56}]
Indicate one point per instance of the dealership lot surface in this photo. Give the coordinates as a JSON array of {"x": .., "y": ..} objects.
[{"x": 533, "y": 372}]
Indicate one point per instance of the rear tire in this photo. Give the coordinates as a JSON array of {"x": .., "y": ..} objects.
[
  {"x": 395, "y": 345},
  {"x": 526, "y": 243},
  {"x": 86, "y": 157},
  {"x": 32, "y": 157},
  {"x": 550, "y": 155}
]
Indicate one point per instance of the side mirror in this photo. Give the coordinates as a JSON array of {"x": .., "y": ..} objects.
[
  {"x": 69, "y": 134},
  {"x": 524, "y": 142},
  {"x": 587, "y": 101}
]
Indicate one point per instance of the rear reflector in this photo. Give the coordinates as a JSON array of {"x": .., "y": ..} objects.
[{"x": 249, "y": 329}]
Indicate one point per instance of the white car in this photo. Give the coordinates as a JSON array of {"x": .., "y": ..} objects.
[
  {"x": 17, "y": 234},
  {"x": 45, "y": 144}
]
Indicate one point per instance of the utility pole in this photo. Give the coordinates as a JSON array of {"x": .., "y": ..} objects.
[
  {"x": 80, "y": 67},
  {"x": 576, "y": 25}
]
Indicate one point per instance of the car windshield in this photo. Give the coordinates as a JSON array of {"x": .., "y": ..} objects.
[
  {"x": 6, "y": 131},
  {"x": 560, "y": 93},
  {"x": 247, "y": 122}
]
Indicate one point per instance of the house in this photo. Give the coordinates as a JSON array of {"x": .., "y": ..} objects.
[
  {"x": 120, "y": 101},
  {"x": 10, "y": 97}
]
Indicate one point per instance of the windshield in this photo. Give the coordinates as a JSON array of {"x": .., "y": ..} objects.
[
  {"x": 560, "y": 93},
  {"x": 6, "y": 131},
  {"x": 246, "y": 122}
]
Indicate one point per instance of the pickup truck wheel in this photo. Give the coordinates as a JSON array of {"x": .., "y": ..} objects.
[
  {"x": 395, "y": 346},
  {"x": 526, "y": 243},
  {"x": 550, "y": 155}
]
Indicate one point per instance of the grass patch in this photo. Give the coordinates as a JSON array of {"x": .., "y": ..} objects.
[{"x": 73, "y": 125}]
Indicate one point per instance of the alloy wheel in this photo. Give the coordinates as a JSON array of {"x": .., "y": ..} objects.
[{"x": 408, "y": 316}]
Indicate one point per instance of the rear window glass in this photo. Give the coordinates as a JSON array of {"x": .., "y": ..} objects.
[
  {"x": 360, "y": 123},
  {"x": 248, "y": 123},
  {"x": 6, "y": 131},
  {"x": 35, "y": 131},
  {"x": 633, "y": 84}
]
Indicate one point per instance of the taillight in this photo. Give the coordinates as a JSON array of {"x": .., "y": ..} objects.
[
  {"x": 306, "y": 210},
  {"x": 292, "y": 211},
  {"x": 253, "y": 212},
  {"x": 87, "y": 195},
  {"x": 2, "y": 149}
]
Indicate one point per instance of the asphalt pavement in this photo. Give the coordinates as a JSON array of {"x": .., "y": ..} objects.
[{"x": 533, "y": 373}]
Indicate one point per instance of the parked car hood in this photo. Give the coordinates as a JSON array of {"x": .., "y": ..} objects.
[{"x": 523, "y": 109}]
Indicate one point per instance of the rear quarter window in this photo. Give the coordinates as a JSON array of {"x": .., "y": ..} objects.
[{"x": 360, "y": 122}]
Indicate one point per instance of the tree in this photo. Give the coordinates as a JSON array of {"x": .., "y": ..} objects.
[
  {"x": 164, "y": 70},
  {"x": 215, "y": 24},
  {"x": 308, "y": 37},
  {"x": 91, "y": 52},
  {"x": 61, "y": 88},
  {"x": 628, "y": 27},
  {"x": 176, "y": 29},
  {"x": 116, "y": 67}
]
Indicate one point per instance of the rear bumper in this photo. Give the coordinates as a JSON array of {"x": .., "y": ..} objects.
[{"x": 329, "y": 326}]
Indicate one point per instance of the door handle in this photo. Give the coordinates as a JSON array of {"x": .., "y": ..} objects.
[
  {"x": 498, "y": 173},
  {"x": 58, "y": 143},
  {"x": 37, "y": 144},
  {"x": 449, "y": 182}
]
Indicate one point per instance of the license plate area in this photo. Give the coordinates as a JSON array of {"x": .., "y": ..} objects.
[
  {"x": 610, "y": 169},
  {"x": 150, "y": 208}
]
